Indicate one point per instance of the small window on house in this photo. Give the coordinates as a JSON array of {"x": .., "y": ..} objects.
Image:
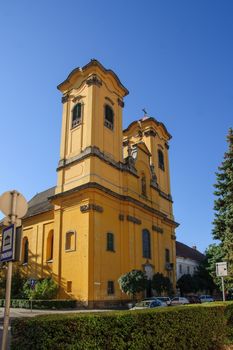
[
  {"x": 180, "y": 268},
  {"x": 111, "y": 289},
  {"x": 188, "y": 270},
  {"x": 49, "y": 253},
  {"x": 167, "y": 255},
  {"x": 108, "y": 117},
  {"x": 70, "y": 243},
  {"x": 161, "y": 159},
  {"x": 146, "y": 248},
  {"x": 143, "y": 185},
  {"x": 76, "y": 115},
  {"x": 110, "y": 241},
  {"x": 25, "y": 249},
  {"x": 69, "y": 287}
]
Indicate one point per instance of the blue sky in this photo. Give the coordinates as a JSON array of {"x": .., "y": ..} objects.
[{"x": 176, "y": 59}]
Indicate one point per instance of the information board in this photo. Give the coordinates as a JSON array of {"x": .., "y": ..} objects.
[
  {"x": 8, "y": 244},
  {"x": 221, "y": 269}
]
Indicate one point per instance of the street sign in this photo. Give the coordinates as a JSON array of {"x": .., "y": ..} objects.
[
  {"x": 221, "y": 269},
  {"x": 33, "y": 283},
  {"x": 8, "y": 244},
  {"x": 20, "y": 204}
]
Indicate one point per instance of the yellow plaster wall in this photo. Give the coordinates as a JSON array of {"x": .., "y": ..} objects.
[{"x": 89, "y": 265}]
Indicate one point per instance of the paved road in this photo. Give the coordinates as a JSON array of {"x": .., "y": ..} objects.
[{"x": 28, "y": 313}]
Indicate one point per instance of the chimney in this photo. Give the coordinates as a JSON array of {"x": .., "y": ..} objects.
[{"x": 194, "y": 247}]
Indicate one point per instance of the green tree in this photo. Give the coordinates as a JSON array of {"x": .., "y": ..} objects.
[
  {"x": 223, "y": 206},
  {"x": 133, "y": 282},
  {"x": 214, "y": 253},
  {"x": 17, "y": 284},
  {"x": 161, "y": 284},
  {"x": 187, "y": 284},
  {"x": 203, "y": 279},
  {"x": 44, "y": 289}
]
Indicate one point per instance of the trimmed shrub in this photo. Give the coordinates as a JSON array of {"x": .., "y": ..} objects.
[
  {"x": 176, "y": 328},
  {"x": 41, "y": 304},
  {"x": 229, "y": 320}
]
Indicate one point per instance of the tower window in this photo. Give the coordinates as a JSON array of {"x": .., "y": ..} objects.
[
  {"x": 108, "y": 117},
  {"x": 146, "y": 248},
  {"x": 25, "y": 247},
  {"x": 161, "y": 159},
  {"x": 70, "y": 241},
  {"x": 76, "y": 115},
  {"x": 111, "y": 289},
  {"x": 143, "y": 185},
  {"x": 167, "y": 255},
  {"x": 110, "y": 241},
  {"x": 49, "y": 255}
]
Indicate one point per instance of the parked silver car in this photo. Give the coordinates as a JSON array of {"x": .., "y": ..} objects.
[
  {"x": 179, "y": 301},
  {"x": 166, "y": 300},
  {"x": 147, "y": 304},
  {"x": 206, "y": 298}
]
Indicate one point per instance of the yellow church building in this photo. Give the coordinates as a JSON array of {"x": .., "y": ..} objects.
[{"x": 111, "y": 210}]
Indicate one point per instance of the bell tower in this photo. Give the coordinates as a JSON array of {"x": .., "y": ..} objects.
[{"x": 91, "y": 123}]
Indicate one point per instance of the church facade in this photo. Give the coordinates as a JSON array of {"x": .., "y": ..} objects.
[{"x": 111, "y": 210}]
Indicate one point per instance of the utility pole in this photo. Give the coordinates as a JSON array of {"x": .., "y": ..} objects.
[{"x": 14, "y": 206}]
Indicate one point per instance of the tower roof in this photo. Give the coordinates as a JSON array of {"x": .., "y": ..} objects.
[
  {"x": 147, "y": 119},
  {"x": 80, "y": 70}
]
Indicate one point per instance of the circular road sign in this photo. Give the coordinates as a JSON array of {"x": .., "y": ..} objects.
[{"x": 6, "y": 204}]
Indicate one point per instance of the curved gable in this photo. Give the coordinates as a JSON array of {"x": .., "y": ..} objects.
[{"x": 78, "y": 72}]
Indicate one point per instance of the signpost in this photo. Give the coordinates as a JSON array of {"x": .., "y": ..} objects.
[
  {"x": 14, "y": 206},
  {"x": 221, "y": 271}
]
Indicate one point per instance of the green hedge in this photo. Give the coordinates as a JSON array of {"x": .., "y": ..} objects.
[
  {"x": 176, "y": 328},
  {"x": 40, "y": 304}
]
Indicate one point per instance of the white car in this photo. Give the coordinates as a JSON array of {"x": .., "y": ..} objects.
[
  {"x": 206, "y": 298},
  {"x": 179, "y": 301}
]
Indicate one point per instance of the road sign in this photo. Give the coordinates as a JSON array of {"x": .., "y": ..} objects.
[
  {"x": 20, "y": 204},
  {"x": 8, "y": 244},
  {"x": 221, "y": 269}
]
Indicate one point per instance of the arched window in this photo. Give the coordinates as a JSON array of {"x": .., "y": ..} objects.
[
  {"x": 146, "y": 249},
  {"x": 76, "y": 115},
  {"x": 143, "y": 185},
  {"x": 110, "y": 242},
  {"x": 25, "y": 248},
  {"x": 49, "y": 255},
  {"x": 70, "y": 243},
  {"x": 108, "y": 117},
  {"x": 161, "y": 159}
]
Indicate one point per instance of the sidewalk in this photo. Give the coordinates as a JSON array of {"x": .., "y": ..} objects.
[{"x": 18, "y": 312}]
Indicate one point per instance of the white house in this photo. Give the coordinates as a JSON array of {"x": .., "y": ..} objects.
[{"x": 187, "y": 259}]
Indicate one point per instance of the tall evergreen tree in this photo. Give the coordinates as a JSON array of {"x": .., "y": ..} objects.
[{"x": 223, "y": 206}]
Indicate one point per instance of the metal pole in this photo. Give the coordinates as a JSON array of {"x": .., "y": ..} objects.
[
  {"x": 223, "y": 290},
  {"x": 8, "y": 281},
  {"x": 7, "y": 306}
]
